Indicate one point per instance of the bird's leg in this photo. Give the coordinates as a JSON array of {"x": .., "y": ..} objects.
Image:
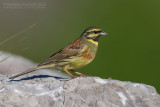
[
  {"x": 80, "y": 74},
  {"x": 69, "y": 73}
]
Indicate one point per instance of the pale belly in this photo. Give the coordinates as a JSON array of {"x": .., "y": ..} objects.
[{"x": 78, "y": 63}]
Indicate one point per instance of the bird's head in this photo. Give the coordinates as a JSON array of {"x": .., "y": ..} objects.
[{"x": 92, "y": 34}]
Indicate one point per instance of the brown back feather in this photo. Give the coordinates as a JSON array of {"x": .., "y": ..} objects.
[{"x": 73, "y": 49}]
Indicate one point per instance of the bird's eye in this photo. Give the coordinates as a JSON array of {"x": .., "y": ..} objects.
[{"x": 95, "y": 32}]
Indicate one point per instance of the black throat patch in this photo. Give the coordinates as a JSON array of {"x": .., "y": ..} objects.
[{"x": 97, "y": 38}]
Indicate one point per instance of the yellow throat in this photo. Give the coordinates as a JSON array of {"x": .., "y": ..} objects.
[{"x": 92, "y": 41}]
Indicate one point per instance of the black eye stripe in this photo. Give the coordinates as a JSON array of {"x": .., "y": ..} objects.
[{"x": 94, "y": 32}]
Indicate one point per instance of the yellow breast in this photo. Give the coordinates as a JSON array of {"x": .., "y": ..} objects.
[{"x": 80, "y": 61}]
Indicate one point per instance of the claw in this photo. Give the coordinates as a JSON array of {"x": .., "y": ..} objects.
[{"x": 75, "y": 77}]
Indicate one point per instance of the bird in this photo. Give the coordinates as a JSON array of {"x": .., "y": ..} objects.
[{"x": 75, "y": 55}]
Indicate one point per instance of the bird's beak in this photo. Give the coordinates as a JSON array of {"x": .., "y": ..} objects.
[{"x": 103, "y": 33}]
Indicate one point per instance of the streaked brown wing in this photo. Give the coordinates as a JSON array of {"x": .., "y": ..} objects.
[{"x": 67, "y": 52}]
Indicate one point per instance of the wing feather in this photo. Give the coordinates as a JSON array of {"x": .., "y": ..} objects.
[{"x": 71, "y": 50}]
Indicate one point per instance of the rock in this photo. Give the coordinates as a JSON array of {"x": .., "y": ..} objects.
[
  {"x": 48, "y": 88},
  {"x": 78, "y": 92},
  {"x": 15, "y": 64}
]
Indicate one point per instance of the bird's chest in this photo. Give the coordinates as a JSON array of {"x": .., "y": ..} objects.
[
  {"x": 79, "y": 62},
  {"x": 85, "y": 58}
]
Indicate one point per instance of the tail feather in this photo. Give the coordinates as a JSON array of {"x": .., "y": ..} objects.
[{"x": 25, "y": 72}]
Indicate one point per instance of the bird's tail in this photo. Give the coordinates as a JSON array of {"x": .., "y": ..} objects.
[{"x": 25, "y": 72}]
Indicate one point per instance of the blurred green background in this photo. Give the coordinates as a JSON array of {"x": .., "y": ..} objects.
[{"x": 131, "y": 51}]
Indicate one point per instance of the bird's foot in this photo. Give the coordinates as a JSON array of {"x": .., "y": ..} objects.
[
  {"x": 82, "y": 75},
  {"x": 74, "y": 77}
]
